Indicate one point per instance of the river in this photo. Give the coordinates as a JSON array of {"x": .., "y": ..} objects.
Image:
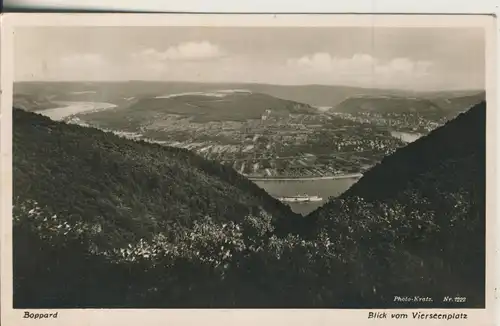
[
  {"x": 70, "y": 108},
  {"x": 407, "y": 137},
  {"x": 324, "y": 188}
]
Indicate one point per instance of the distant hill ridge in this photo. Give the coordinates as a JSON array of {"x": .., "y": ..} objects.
[
  {"x": 235, "y": 105},
  {"x": 200, "y": 107},
  {"x": 399, "y": 104},
  {"x": 314, "y": 95}
]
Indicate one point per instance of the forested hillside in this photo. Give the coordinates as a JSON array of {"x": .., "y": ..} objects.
[
  {"x": 124, "y": 189},
  {"x": 421, "y": 212},
  {"x": 114, "y": 181},
  {"x": 110, "y": 222}
]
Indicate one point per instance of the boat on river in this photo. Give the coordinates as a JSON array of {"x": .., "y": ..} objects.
[{"x": 300, "y": 199}]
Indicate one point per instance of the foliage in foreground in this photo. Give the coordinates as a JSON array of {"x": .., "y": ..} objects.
[{"x": 235, "y": 264}]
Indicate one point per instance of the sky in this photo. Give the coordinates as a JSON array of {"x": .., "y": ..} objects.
[{"x": 400, "y": 58}]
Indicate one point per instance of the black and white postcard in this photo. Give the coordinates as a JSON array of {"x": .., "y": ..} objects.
[{"x": 233, "y": 162}]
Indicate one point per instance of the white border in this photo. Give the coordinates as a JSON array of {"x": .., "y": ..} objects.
[
  {"x": 270, "y": 6},
  {"x": 236, "y": 316}
]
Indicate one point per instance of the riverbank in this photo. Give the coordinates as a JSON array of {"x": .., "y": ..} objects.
[
  {"x": 407, "y": 137},
  {"x": 330, "y": 177},
  {"x": 324, "y": 187},
  {"x": 71, "y": 108}
]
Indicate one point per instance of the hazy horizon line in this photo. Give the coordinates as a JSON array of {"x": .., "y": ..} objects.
[{"x": 255, "y": 83}]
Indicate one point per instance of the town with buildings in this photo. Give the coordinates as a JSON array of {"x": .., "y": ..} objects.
[
  {"x": 279, "y": 143},
  {"x": 295, "y": 146}
]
